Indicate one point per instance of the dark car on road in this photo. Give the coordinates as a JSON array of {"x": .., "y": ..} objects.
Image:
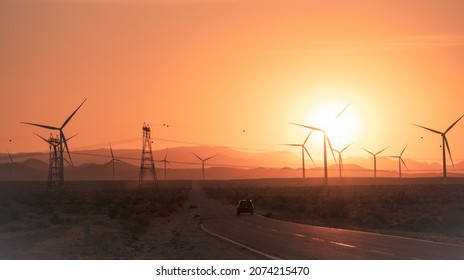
[{"x": 245, "y": 206}]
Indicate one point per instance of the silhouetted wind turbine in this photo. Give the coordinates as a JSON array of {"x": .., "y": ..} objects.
[
  {"x": 165, "y": 161},
  {"x": 444, "y": 142},
  {"x": 375, "y": 159},
  {"x": 340, "y": 162},
  {"x": 326, "y": 140},
  {"x": 113, "y": 159},
  {"x": 400, "y": 160},
  {"x": 303, "y": 150},
  {"x": 12, "y": 166},
  {"x": 62, "y": 140},
  {"x": 203, "y": 163}
]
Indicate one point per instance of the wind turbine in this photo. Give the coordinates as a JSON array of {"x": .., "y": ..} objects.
[
  {"x": 340, "y": 161},
  {"x": 61, "y": 141},
  {"x": 203, "y": 163},
  {"x": 12, "y": 166},
  {"x": 113, "y": 159},
  {"x": 165, "y": 161},
  {"x": 444, "y": 142},
  {"x": 400, "y": 159},
  {"x": 326, "y": 140},
  {"x": 375, "y": 159},
  {"x": 303, "y": 150}
]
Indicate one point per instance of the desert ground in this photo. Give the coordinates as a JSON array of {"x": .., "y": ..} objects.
[
  {"x": 36, "y": 223},
  {"x": 117, "y": 220}
]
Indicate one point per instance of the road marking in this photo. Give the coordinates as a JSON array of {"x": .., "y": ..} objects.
[
  {"x": 274, "y": 230},
  {"x": 238, "y": 243},
  {"x": 299, "y": 235},
  {"x": 258, "y": 226},
  {"x": 317, "y": 239},
  {"x": 249, "y": 224},
  {"x": 343, "y": 244},
  {"x": 381, "y": 253}
]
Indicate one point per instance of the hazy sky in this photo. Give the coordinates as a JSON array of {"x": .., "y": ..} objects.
[{"x": 211, "y": 69}]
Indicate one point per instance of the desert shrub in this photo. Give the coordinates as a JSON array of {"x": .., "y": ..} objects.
[{"x": 453, "y": 219}]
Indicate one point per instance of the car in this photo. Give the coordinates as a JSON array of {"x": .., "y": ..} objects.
[{"x": 245, "y": 206}]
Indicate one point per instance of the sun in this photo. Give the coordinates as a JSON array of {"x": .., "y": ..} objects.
[{"x": 339, "y": 118}]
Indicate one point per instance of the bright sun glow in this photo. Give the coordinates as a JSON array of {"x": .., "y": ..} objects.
[{"x": 342, "y": 130}]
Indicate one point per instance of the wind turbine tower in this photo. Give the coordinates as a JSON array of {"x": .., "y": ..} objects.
[
  {"x": 444, "y": 142},
  {"x": 61, "y": 142},
  {"x": 203, "y": 163},
  {"x": 375, "y": 159},
  {"x": 303, "y": 150},
  {"x": 147, "y": 164}
]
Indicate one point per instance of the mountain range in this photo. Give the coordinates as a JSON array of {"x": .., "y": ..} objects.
[{"x": 226, "y": 164}]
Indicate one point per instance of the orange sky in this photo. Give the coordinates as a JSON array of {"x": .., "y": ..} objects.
[{"x": 213, "y": 68}]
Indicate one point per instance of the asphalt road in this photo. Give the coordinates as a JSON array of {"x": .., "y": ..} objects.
[{"x": 286, "y": 240}]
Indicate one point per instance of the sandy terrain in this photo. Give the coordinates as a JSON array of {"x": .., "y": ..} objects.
[{"x": 178, "y": 236}]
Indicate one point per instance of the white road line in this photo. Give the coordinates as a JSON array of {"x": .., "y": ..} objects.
[
  {"x": 258, "y": 226},
  {"x": 273, "y": 230},
  {"x": 343, "y": 244},
  {"x": 381, "y": 253},
  {"x": 238, "y": 243},
  {"x": 317, "y": 239},
  {"x": 299, "y": 235}
]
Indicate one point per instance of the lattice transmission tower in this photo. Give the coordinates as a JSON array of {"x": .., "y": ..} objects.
[
  {"x": 147, "y": 164},
  {"x": 55, "y": 174},
  {"x": 55, "y": 169}
]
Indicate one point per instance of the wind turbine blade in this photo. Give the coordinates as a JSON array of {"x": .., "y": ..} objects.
[
  {"x": 197, "y": 156},
  {"x": 210, "y": 157},
  {"x": 342, "y": 111},
  {"x": 433, "y": 130},
  {"x": 106, "y": 164},
  {"x": 309, "y": 155},
  {"x": 69, "y": 118},
  {"x": 345, "y": 148},
  {"x": 368, "y": 151},
  {"x": 72, "y": 136},
  {"x": 307, "y": 126},
  {"x": 449, "y": 128},
  {"x": 111, "y": 151},
  {"x": 42, "y": 125},
  {"x": 70, "y": 164},
  {"x": 404, "y": 149},
  {"x": 449, "y": 151},
  {"x": 11, "y": 159},
  {"x": 381, "y": 151},
  {"x": 307, "y": 137},
  {"x": 66, "y": 146},
  {"x": 404, "y": 163},
  {"x": 330, "y": 146},
  {"x": 294, "y": 145},
  {"x": 42, "y": 138},
  {"x": 116, "y": 159}
]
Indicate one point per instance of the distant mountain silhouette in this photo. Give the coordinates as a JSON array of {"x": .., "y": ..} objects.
[{"x": 228, "y": 164}]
